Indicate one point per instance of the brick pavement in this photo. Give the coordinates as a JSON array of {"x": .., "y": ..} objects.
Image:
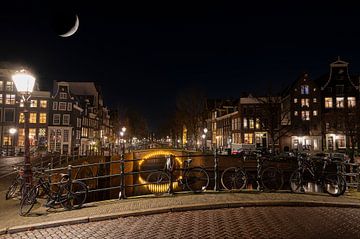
[
  {"x": 249, "y": 222},
  {"x": 10, "y": 218}
]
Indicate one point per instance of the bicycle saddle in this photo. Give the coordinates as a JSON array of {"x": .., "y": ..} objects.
[{"x": 188, "y": 161}]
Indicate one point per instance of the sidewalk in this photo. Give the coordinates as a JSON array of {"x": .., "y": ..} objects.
[{"x": 11, "y": 222}]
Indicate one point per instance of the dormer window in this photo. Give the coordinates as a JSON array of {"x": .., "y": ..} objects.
[
  {"x": 304, "y": 89},
  {"x": 63, "y": 96}
]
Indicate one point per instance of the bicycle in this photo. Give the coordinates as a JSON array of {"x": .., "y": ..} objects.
[
  {"x": 16, "y": 186},
  {"x": 195, "y": 179},
  {"x": 268, "y": 178},
  {"x": 69, "y": 194},
  {"x": 332, "y": 183}
]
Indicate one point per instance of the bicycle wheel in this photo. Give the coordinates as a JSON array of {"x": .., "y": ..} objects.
[
  {"x": 197, "y": 179},
  {"x": 28, "y": 201},
  {"x": 334, "y": 184},
  {"x": 12, "y": 189},
  {"x": 296, "y": 181},
  {"x": 73, "y": 195},
  {"x": 272, "y": 179},
  {"x": 158, "y": 183},
  {"x": 233, "y": 178}
]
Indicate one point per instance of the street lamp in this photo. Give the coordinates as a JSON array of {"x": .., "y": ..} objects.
[
  {"x": 204, "y": 138},
  {"x": 12, "y": 132},
  {"x": 24, "y": 83}
]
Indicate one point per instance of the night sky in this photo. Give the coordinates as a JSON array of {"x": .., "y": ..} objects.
[{"x": 143, "y": 54}]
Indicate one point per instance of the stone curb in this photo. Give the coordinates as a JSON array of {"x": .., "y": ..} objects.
[{"x": 179, "y": 208}]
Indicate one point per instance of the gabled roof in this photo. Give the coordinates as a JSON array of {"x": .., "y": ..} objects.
[{"x": 83, "y": 88}]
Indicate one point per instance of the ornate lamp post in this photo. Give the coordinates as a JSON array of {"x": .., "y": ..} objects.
[{"x": 24, "y": 83}]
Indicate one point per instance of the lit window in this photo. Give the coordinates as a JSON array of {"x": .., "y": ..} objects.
[
  {"x": 1, "y": 98},
  {"x": 10, "y": 99},
  {"x": 315, "y": 113},
  {"x": 69, "y": 107},
  {"x": 305, "y": 115},
  {"x": 295, "y": 113},
  {"x": 295, "y": 100},
  {"x": 21, "y": 118},
  {"x": 32, "y": 136},
  {"x": 56, "y": 119},
  {"x": 351, "y": 102},
  {"x": 21, "y": 103},
  {"x": 328, "y": 102},
  {"x": 314, "y": 100},
  {"x": 9, "y": 86},
  {"x": 32, "y": 118},
  {"x": 63, "y": 96},
  {"x": 304, "y": 102},
  {"x": 43, "y": 103},
  {"x": 42, "y": 118},
  {"x": 42, "y": 132},
  {"x": 257, "y": 124},
  {"x": 248, "y": 138},
  {"x": 66, "y": 119},
  {"x": 55, "y": 104},
  {"x": 340, "y": 102},
  {"x": 304, "y": 89},
  {"x": 62, "y": 105},
  {"x": 245, "y": 123},
  {"x": 251, "y": 123},
  {"x": 1, "y": 85},
  {"x": 33, "y": 103}
]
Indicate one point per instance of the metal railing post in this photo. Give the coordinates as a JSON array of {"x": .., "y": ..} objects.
[
  {"x": 258, "y": 168},
  {"x": 170, "y": 168},
  {"x": 358, "y": 178},
  {"x": 216, "y": 171},
  {"x": 69, "y": 171},
  {"x": 122, "y": 178},
  {"x": 52, "y": 162}
]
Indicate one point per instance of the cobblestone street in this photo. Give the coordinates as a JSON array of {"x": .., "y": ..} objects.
[{"x": 252, "y": 222}]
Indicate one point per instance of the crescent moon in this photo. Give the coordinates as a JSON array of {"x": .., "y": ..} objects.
[{"x": 73, "y": 29}]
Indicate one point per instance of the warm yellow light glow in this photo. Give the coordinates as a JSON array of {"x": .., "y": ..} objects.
[
  {"x": 12, "y": 130},
  {"x": 24, "y": 82},
  {"x": 158, "y": 188}
]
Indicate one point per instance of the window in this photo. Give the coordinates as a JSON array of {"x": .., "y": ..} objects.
[
  {"x": 32, "y": 118},
  {"x": 42, "y": 118},
  {"x": 56, "y": 119},
  {"x": 10, "y": 99},
  {"x": 66, "y": 136},
  {"x": 305, "y": 102},
  {"x": 69, "y": 108},
  {"x": 251, "y": 123},
  {"x": 295, "y": 100},
  {"x": 42, "y": 132},
  {"x": 32, "y": 136},
  {"x": 33, "y": 103},
  {"x": 340, "y": 102},
  {"x": 315, "y": 113},
  {"x": 55, "y": 104},
  {"x": 43, "y": 103},
  {"x": 63, "y": 96},
  {"x": 9, "y": 86},
  {"x": 245, "y": 123},
  {"x": 305, "y": 115},
  {"x": 21, "y": 104},
  {"x": 340, "y": 141},
  {"x": 78, "y": 134},
  {"x": 314, "y": 100},
  {"x": 1, "y": 85},
  {"x": 1, "y": 98},
  {"x": 248, "y": 138},
  {"x": 339, "y": 89},
  {"x": 304, "y": 89},
  {"x": 9, "y": 115},
  {"x": 21, "y": 118},
  {"x": 328, "y": 102},
  {"x": 295, "y": 113},
  {"x": 78, "y": 122},
  {"x": 351, "y": 102},
  {"x": 257, "y": 124},
  {"x": 62, "y": 106},
  {"x": 66, "y": 119}
]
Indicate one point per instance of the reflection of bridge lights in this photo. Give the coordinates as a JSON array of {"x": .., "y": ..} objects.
[{"x": 158, "y": 188}]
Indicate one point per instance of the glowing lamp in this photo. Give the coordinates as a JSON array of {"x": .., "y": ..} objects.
[{"x": 24, "y": 82}]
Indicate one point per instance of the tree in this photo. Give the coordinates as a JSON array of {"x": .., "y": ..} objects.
[{"x": 190, "y": 112}]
